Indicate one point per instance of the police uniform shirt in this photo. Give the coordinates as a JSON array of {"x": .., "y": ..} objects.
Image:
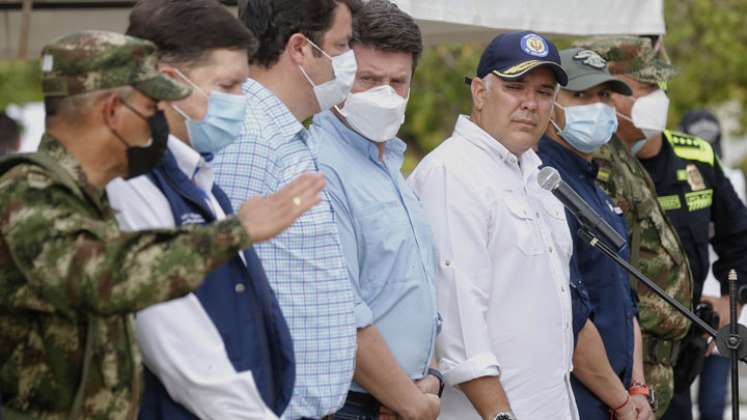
[
  {"x": 702, "y": 205},
  {"x": 610, "y": 295}
]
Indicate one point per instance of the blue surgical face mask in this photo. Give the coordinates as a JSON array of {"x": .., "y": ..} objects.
[
  {"x": 587, "y": 127},
  {"x": 221, "y": 124}
]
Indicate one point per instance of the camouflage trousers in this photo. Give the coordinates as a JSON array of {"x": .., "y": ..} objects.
[{"x": 660, "y": 378}]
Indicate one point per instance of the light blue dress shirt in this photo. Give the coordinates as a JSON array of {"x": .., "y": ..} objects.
[
  {"x": 305, "y": 264},
  {"x": 388, "y": 245}
]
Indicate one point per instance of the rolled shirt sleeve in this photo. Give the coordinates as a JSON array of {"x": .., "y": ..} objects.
[{"x": 459, "y": 220}]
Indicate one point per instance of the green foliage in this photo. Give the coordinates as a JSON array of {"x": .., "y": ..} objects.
[
  {"x": 438, "y": 96},
  {"x": 19, "y": 82},
  {"x": 707, "y": 40}
]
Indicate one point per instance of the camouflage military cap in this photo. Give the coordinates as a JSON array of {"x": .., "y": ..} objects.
[
  {"x": 89, "y": 61},
  {"x": 631, "y": 55}
]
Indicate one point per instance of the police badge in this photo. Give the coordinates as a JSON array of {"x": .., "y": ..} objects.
[{"x": 694, "y": 178}]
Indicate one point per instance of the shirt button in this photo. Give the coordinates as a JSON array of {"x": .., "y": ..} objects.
[
  {"x": 549, "y": 249},
  {"x": 239, "y": 288},
  {"x": 562, "y": 289},
  {"x": 447, "y": 263}
]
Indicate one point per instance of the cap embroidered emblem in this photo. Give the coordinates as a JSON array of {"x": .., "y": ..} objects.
[
  {"x": 533, "y": 44},
  {"x": 591, "y": 59}
]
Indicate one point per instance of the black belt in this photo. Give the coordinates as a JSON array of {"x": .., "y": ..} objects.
[{"x": 363, "y": 399}]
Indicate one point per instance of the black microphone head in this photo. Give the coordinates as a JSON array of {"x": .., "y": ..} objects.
[{"x": 548, "y": 178}]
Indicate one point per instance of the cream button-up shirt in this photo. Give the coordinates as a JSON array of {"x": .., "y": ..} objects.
[{"x": 503, "y": 251}]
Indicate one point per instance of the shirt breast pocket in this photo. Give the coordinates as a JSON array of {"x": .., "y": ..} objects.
[
  {"x": 384, "y": 231},
  {"x": 560, "y": 230},
  {"x": 524, "y": 222}
]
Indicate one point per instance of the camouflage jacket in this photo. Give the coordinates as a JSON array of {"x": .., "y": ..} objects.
[
  {"x": 660, "y": 254},
  {"x": 69, "y": 282}
]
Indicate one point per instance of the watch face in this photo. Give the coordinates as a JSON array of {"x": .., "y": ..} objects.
[{"x": 503, "y": 416}]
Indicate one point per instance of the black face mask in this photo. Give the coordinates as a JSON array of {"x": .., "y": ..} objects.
[{"x": 142, "y": 159}]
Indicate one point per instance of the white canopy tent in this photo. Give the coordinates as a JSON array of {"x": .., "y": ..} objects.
[{"x": 441, "y": 20}]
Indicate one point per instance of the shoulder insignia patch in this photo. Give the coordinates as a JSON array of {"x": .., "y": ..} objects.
[{"x": 690, "y": 147}]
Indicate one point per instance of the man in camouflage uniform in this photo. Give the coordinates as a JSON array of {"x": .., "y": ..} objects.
[
  {"x": 656, "y": 249},
  {"x": 69, "y": 279}
]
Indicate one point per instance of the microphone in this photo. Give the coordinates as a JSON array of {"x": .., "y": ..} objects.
[{"x": 550, "y": 180}]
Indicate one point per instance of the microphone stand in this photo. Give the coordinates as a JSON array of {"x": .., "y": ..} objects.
[{"x": 729, "y": 339}]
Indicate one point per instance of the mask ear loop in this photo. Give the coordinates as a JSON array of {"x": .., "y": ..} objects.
[
  {"x": 554, "y": 124},
  {"x": 306, "y": 75},
  {"x": 311, "y": 82},
  {"x": 196, "y": 88},
  {"x": 139, "y": 114},
  {"x": 324, "y": 53},
  {"x": 638, "y": 145},
  {"x": 623, "y": 116},
  {"x": 317, "y": 47},
  {"x": 190, "y": 82}
]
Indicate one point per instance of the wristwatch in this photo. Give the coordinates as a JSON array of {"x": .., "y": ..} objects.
[
  {"x": 437, "y": 374},
  {"x": 638, "y": 388},
  {"x": 503, "y": 415}
]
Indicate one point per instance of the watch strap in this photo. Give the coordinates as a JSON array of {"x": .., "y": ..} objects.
[{"x": 441, "y": 384}]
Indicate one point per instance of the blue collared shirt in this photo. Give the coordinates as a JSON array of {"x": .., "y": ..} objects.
[
  {"x": 610, "y": 295},
  {"x": 305, "y": 264},
  {"x": 388, "y": 246}
]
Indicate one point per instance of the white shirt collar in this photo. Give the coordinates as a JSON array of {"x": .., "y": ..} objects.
[
  {"x": 527, "y": 164},
  {"x": 191, "y": 163}
]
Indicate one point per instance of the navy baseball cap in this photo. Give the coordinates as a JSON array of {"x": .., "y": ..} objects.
[{"x": 513, "y": 54}]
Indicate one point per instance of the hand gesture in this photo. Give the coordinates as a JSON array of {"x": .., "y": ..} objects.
[{"x": 266, "y": 217}]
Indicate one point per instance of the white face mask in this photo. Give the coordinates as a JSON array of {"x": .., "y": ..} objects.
[
  {"x": 649, "y": 114},
  {"x": 334, "y": 91},
  {"x": 376, "y": 114}
]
